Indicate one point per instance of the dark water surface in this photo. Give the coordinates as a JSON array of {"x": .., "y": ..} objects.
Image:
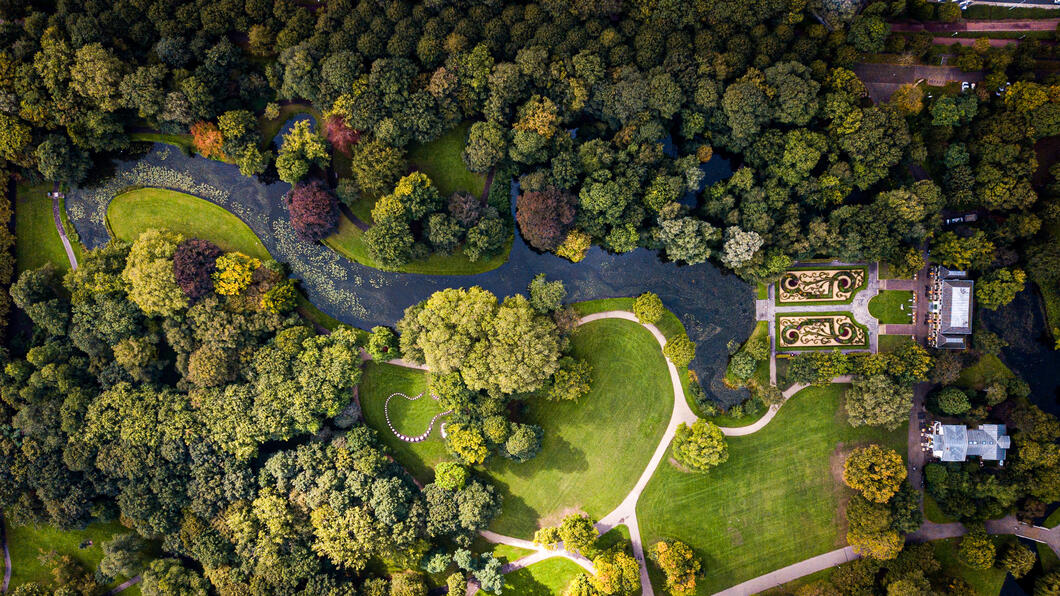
[
  {"x": 714, "y": 306},
  {"x": 1030, "y": 352}
]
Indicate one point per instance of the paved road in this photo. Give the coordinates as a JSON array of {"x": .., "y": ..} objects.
[
  {"x": 995, "y": 25},
  {"x": 56, "y": 208},
  {"x": 883, "y": 79}
]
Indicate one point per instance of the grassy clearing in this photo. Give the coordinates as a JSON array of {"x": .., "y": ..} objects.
[
  {"x": 546, "y": 578},
  {"x": 27, "y": 542},
  {"x": 762, "y": 291},
  {"x": 271, "y": 127},
  {"x": 988, "y": 369},
  {"x": 182, "y": 142},
  {"x": 132, "y": 212},
  {"x": 890, "y": 343},
  {"x": 378, "y": 382},
  {"x": 594, "y": 450},
  {"x": 740, "y": 517},
  {"x": 892, "y": 307},
  {"x": 37, "y": 240},
  {"x": 442, "y": 161},
  {"x": 985, "y": 582},
  {"x": 347, "y": 241}
]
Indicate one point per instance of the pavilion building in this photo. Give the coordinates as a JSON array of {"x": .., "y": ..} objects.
[
  {"x": 949, "y": 308},
  {"x": 956, "y": 442}
]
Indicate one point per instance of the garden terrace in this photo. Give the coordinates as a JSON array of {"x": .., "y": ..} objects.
[
  {"x": 813, "y": 331},
  {"x": 836, "y": 285}
]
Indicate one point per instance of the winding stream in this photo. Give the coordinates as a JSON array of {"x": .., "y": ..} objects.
[{"x": 714, "y": 306}]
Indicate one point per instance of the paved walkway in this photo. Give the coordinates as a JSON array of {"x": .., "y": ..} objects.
[
  {"x": 883, "y": 79},
  {"x": 7, "y": 556},
  {"x": 132, "y": 581},
  {"x": 56, "y": 210},
  {"x": 791, "y": 572}
]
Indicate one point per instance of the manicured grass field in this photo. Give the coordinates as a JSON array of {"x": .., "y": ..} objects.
[
  {"x": 892, "y": 307},
  {"x": 26, "y": 542},
  {"x": 989, "y": 368},
  {"x": 132, "y": 212},
  {"x": 890, "y": 343},
  {"x": 985, "y": 582},
  {"x": 347, "y": 242},
  {"x": 37, "y": 240},
  {"x": 546, "y": 578},
  {"x": 442, "y": 161},
  {"x": 594, "y": 450},
  {"x": 774, "y": 503}
]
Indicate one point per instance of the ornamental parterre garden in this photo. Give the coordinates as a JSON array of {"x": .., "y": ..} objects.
[{"x": 576, "y": 298}]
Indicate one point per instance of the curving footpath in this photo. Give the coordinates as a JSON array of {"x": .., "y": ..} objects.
[
  {"x": 56, "y": 209},
  {"x": 7, "y": 556},
  {"x": 626, "y": 512}
]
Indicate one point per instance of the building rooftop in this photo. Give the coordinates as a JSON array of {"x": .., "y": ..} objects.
[
  {"x": 956, "y": 311},
  {"x": 954, "y": 442}
]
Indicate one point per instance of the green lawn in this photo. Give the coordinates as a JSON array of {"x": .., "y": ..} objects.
[
  {"x": 442, "y": 161},
  {"x": 989, "y": 368},
  {"x": 985, "y": 582},
  {"x": 547, "y": 578},
  {"x": 37, "y": 240},
  {"x": 378, "y": 382},
  {"x": 347, "y": 242},
  {"x": 26, "y": 542},
  {"x": 890, "y": 343},
  {"x": 892, "y": 307},
  {"x": 774, "y": 503},
  {"x": 762, "y": 291},
  {"x": 593, "y": 450},
  {"x": 132, "y": 212},
  {"x": 182, "y": 142}
]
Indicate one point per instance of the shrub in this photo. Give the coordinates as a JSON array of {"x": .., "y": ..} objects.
[
  {"x": 700, "y": 446},
  {"x": 382, "y": 344},
  {"x": 571, "y": 381},
  {"x": 742, "y": 365},
  {"x": 194, "y": 263},
  {"x": 210, "y": 366},
  {"x": 149, "y": 273},
  {"x": 208, "y": 140},
  {"x": 953, "y": 401},
  {"x": 341, "y": 137},
  {"x": 680, "y": 565},
  {"x": 575, "y": 246},
  {"x": 546, "y": 296},
  {"x": 874, "y": 471},
  {"x": 450, "y": 475},
  {"x": 314, "y": 211},
  {"x": 280, "y": 298},
  {"x": 648, "y": 307},
  {"x": 680, "y": 350},
  {"x": 977, "y": 550}
]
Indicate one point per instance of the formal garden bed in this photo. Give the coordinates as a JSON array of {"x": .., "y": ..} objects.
[
  {"x": 821, "y": 285},
  {"x": 772, "y": 504},
  {"x": 815, "y": 331}
]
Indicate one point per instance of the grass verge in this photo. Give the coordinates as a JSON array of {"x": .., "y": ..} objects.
[
  {"x": 774, "y": 503},
  {"x": 546, "y": 578},
  {"x": 890, "y": 343},
  {"x": 985, "y": 582},
  {"x": 892, "y": 307},
  {"x": 37, "y": 241}
]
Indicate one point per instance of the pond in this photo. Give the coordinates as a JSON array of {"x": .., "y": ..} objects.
[{"x": 715, "y": 306}]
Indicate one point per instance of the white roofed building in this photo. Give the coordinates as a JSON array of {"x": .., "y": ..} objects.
[
  {"x": 950, "y": 308},
  {"x": 955, "y": 442}
]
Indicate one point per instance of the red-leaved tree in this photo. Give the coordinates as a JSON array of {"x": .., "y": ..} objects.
[
  {"x": 208, "y": 140},
  {"x": 314, "y": 210},
  {"x": 545, "y": 217},
  {"x": 341, "y": 137},
  {"x": 193, "y": 265}
]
